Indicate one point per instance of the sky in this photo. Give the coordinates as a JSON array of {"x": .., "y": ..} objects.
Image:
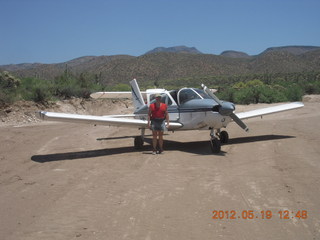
[{"x": 54, "y": 31}]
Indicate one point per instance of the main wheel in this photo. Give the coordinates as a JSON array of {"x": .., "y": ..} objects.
[
  {"x": 138, "y": 142},
  {"x": 224, "y": 137},
  {"x": 215, "y": 145}
]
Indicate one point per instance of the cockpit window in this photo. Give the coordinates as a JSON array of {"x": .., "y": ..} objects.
[
  {"x": 202, "y": 93},
  {"x": 187, "y": 94}
]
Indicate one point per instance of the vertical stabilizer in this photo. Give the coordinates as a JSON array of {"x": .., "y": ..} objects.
[{"x": 137, "y": 98}]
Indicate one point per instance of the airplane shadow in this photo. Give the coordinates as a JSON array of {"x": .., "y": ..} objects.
[
  {"x": 122, "y": 137},
  {"x": 196, "y": 147},
  {"x": 82, "y": 154},
  {"x": 203, "y": 147}
]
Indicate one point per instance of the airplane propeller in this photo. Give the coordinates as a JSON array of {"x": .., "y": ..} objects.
[{"x": 226, "y": 108}]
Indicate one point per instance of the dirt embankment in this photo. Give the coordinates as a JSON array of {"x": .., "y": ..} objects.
[{"x": 23, "y": 112}]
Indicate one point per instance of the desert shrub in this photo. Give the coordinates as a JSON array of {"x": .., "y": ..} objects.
[
  {"x": 34, "y": 89},
  {"x": 8, "y": 81},
  {"x": 256, "y": 92},
  {"x": 8, "y": 87},
  {"x": 294, "y": 92},
  {"x": 120, "y": 87},
  {"x": 68, "y": 85}
]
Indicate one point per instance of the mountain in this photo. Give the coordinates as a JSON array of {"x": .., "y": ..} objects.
[
  {"x": 234, "y": 54},
  {"x": 295, "y": 50},
  {"x": 21, "y": 66},
  {"x": 177, "y": 49},
  {"x": 166, "y": 65}
]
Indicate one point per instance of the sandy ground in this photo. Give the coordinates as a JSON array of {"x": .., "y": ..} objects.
[{"x": 70, "y": 181}]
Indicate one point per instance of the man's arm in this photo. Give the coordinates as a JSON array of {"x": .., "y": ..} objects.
[
  {"x": 149, "y": 117},
  {"x": 167, "y": 118}
]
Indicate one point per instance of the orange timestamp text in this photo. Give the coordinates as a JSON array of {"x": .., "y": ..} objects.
[{"x": 265, "y": 214}]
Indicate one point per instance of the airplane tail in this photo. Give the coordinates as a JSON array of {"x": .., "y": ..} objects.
[{"x": 137, "y": 98}]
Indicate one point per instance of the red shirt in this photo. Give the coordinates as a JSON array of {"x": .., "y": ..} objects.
[{"x": 158, "y": 112}]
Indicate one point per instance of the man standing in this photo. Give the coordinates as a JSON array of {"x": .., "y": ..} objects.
[{"x": 158, "y": 113}]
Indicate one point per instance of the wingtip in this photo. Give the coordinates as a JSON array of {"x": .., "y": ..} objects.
[{"x": 40, "y": 114}]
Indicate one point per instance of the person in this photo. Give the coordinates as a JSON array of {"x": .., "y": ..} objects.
[{"x": 158, "y": 114}]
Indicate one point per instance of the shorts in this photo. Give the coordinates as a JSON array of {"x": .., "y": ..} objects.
[{"x": 158, "y": 124}]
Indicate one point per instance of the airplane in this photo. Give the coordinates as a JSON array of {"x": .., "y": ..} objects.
[{"x": 188, "y": 109}]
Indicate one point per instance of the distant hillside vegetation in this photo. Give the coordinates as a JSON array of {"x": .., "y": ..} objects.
[
  {"x": 278, "y": 74},
  {"x": 162, "y": 64}
]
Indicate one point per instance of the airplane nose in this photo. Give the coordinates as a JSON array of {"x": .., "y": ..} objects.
[{"x": 226, "y": 108}]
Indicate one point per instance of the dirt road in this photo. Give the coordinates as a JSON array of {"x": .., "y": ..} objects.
[{"x": 70, "y": 181}]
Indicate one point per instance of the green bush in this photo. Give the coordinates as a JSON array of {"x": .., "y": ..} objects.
[
  {"x": 120, "y": 87},
  {"x": 34, "y": 89},
  {"x": 8, "y": 87},
  {"x": 244, "y": 89},
  {"x": 294, "y": 93}
]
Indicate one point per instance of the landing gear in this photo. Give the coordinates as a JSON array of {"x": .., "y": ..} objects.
[
  {"x": 138, "y": 140},
  {"x": 215, "y": 145},
  {"x": 217, "y": 139},
  {"x": 224, "y": 137}
]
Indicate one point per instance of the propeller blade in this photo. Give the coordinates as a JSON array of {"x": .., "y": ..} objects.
[
  {"x": 210, "y": 93},
  {"x": 226, "y": 108},
  {"x": 239, "y": 122}
]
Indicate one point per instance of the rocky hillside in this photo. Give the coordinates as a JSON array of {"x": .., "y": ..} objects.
[{"x": 175, "y": 63}]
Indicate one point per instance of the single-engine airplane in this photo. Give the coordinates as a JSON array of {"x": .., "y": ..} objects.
[{"x": 188, "y": 108}]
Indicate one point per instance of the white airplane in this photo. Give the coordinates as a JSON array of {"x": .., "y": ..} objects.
[{"x": 188, "y": 108}]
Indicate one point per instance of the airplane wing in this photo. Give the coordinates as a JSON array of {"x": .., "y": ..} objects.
[
  {"x": 114, "y": 95},
  {"x": 269, "y": 110},
  {"x": 99, "y": 120}
]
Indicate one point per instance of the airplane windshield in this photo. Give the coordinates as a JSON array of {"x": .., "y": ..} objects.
[
  {"x": 188, "y": 94},
  {"x": 202, "y": 93}
]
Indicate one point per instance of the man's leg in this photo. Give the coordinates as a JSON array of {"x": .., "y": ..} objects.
[
  {"x": 154, "y": 140},
  {"x": 161, "y": 140}
]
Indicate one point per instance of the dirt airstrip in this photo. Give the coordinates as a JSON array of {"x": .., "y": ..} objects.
[{"x": 72, "y": 181}]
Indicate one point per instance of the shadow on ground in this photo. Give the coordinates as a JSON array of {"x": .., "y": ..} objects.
[{"x": 197, "y": 147}]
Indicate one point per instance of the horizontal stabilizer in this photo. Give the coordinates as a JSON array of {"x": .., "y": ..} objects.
[
  {"x": 269, "y": 110},
  {"x": 99, "y": 120}
]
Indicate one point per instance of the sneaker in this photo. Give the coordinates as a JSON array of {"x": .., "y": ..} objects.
[
  {"x": 160, "y": 151},
  {"x": 154, "y": 152}
]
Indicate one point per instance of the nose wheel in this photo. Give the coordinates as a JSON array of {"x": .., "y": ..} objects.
[
  {"x": 223, "y": 136},
  {"x": 218, "y": 138},
  {"x": 215, "y": 145}
]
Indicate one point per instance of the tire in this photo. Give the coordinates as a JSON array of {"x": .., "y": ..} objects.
[
  {"x": 224, "y": 137},
  {"x": 138, "y": 142},
  {"x": 215, "y": 145}
]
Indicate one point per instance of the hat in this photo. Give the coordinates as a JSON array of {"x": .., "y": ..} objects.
[{"x": 157, "y": 95}]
